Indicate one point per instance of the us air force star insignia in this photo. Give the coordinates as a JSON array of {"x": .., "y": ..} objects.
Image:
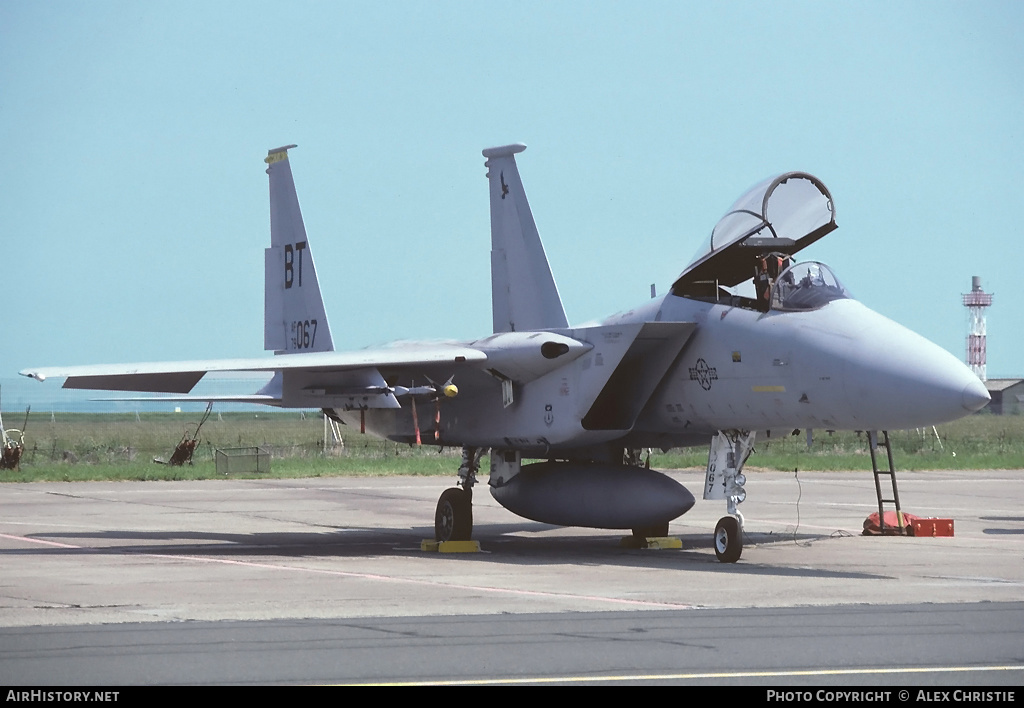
[
  {"x": 703, "y": 374},
  {"x": 504, "y": 187}
]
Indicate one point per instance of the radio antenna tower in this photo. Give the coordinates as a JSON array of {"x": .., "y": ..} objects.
[{"x": 976, "y": 301}]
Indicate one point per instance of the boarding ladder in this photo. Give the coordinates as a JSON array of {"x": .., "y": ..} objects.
[{"x": 873, "y": 444}]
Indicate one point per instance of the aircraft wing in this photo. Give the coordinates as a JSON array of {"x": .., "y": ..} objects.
[
  {"x": 367, "y": 378},
  {"x": 262, "y": 399},
  {"x": 182, "y": 376}
]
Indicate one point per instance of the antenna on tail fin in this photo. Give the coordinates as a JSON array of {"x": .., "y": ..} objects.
[
  {"x": 523, "y": 292},
  {"x": 294, "y": 316}
]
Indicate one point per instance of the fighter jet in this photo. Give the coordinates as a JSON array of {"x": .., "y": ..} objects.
[{"x": 703, "y": 364}]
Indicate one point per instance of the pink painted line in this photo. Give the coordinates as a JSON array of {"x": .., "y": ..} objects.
[
  {"x": 42, "y": 542},
  {"x": 379, "y": 578}
]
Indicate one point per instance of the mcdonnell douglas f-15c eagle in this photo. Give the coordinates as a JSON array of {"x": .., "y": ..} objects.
[{"x": 700, "y": 365}]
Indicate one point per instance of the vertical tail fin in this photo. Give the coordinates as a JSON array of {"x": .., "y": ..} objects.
[
  {"x": 523, "y": 292},
  {"x": 294, "y": 315}
]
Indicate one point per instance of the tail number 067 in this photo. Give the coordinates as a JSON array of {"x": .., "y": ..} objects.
[{"x": 303, "y": 334}]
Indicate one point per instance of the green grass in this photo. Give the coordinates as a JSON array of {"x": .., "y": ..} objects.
[
  {"x": 83, "y": 447},
  {"x": 981, "y": 441},
  {"x": 80, "y": 447}
]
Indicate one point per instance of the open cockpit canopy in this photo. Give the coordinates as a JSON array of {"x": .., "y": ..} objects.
[{"x": 783, "y": 214}]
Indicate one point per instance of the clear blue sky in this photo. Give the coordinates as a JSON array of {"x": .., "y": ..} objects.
[{"x": 134, "y": 197}]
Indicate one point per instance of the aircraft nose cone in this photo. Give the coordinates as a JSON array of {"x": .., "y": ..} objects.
[
  {"x": 895, "y": 379},
  {"x": 975, "y": 396}
]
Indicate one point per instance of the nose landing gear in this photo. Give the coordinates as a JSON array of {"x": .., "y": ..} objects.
[{"x": 729, "y": 451}]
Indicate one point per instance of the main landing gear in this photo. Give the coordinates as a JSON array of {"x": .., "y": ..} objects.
[
  {"x": 453, "y": 520},
  {"x": 729, "y": 451}
]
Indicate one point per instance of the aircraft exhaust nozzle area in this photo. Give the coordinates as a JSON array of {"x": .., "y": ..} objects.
[{"x": 593, "y": 495}]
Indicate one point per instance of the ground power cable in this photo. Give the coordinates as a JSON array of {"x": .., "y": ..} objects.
[{"x": 799, "y": 496}]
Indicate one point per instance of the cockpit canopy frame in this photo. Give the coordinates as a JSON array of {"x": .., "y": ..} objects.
[{"x": 782, "y": 214}]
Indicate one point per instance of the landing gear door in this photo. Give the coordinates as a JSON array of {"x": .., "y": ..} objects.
[{"x": 783, "y": 214}]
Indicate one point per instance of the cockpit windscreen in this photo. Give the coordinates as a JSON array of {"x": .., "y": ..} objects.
[{"x": 807, "y": 286}]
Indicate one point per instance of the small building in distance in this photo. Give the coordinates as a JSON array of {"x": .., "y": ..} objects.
[{"x": 1007, "y": 396}]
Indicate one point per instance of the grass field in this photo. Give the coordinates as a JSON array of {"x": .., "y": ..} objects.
[{"x": 122, "y": 446}]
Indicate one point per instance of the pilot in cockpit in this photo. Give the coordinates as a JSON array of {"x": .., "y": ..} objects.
[
  {"x": 813, "y": 278},
  {"x": 766, "y": 271},
  {"x": 815, "y": 288}
]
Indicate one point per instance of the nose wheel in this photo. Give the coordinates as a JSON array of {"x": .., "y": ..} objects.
[{"x": 728, "y": 539}]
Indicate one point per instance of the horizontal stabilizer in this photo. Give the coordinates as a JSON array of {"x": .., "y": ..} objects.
[
  {"x": 163, "y": 382},
  {"x": 269, "y": 395}
]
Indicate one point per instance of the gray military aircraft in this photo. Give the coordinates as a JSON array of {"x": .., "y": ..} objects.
[{"x": 700, "y": 365}]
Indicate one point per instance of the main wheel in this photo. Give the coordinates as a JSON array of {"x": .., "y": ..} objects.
[
  {"x": 728, "y": 540},
  {"x": 453, "y": 520}
]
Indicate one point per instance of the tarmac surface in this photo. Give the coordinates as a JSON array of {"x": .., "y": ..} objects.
[{"x": 269, "y": 556}]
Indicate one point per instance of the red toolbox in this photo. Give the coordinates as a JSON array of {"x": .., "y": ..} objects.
[{"x": 932, "y": 527}]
